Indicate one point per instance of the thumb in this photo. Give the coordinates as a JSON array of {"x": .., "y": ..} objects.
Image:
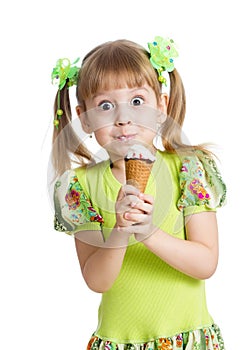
[{"x": 121, "y": 194}]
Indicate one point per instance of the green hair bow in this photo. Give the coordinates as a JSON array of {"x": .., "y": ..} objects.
[
  {"x": 162, "y": 54},
  {"x": 62, "y": 73},
  {"x": 65, "y": 70}
]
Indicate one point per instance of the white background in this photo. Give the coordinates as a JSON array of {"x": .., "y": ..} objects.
[{"x": 44, "y": 302}]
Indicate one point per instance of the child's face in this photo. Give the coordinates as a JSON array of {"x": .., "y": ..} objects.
[{"x": 122, "y": 117}]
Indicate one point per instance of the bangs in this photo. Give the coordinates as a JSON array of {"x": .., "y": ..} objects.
[
  {"x": 114, "y": 67},
  {"x": 112, "y": 79},
  {"x": 109, "y": 79}
]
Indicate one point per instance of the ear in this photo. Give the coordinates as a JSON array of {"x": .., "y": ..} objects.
[
  {"x": 163, "y": 104},
  {"x": 83, "y": 119}
]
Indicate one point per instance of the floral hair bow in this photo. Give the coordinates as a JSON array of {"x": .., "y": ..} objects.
[
  {"x": 162, "y": 54},
  {"x": 62, "y": 73}
]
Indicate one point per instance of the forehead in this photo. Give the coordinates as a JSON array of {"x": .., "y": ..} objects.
[{"x": 119, "y": 80}]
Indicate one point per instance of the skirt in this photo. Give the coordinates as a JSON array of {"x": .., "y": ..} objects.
[{"x": 200, "y": 339}]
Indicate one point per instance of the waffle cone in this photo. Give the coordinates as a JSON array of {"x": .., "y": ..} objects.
[{"x": 137, "y": 173}]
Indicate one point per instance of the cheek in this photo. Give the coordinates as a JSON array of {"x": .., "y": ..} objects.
[
  {"x": 146, "y": 117},
  {"x": 147, "y": 135},
  {"x": 99, "y": 120},
  {"x": 102, "y": 135}
]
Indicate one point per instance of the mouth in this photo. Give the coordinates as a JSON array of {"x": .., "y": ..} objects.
[{"x": 125, "y": 138}]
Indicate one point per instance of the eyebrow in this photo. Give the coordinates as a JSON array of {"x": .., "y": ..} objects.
[
  {"x": 140, "y": 88},
  {"x": 130, "y": 90}
]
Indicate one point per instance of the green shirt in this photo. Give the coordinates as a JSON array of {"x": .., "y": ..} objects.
[{"x": 149, "y": 299}]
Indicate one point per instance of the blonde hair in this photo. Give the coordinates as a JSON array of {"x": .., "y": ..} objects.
[{"x": 111, "y": 66}]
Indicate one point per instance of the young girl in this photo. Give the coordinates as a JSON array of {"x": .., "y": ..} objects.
[{"x": 147, "y": 253}]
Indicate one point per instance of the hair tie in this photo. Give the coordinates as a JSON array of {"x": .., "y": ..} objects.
[
  {"x": 62, "y": 73},
  {"x": 162, "y": 54},
  {"x": 165, "y": 87}
]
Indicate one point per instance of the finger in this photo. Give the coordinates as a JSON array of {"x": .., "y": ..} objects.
[
  {"x": 126, "y": 203},
  {"x": 139, "y": 217},
  {"x": 126, "y": 190},
  {"x": 121, "y": 194},
  {"x": 146, "y": 198},
  {"x": 126, "y": 229},
  {"x": 142, "y": 230},
  {"x": 132, "y": 201},
  {"x": 130, "y": 190},
  {"x": 143, "y": 207}
]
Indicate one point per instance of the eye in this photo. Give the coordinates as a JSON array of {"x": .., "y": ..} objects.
[
  {"x": 105, "y": 105},
  {"x": 137, "y": 101}
]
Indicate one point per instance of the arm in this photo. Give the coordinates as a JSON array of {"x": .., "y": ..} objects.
[
  {"x": 101, "y": 264},
  {"x": 198, "y": 255},
  {"x": 100, "y": 260}
]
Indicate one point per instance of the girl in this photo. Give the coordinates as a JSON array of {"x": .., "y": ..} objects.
[{"x": 147, "y": 253}]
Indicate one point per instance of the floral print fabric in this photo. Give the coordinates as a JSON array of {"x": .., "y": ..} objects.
[
  {"x": 201, "y": 339},
  {"x": 72, "y": 207},
  {"x": 201, "y": 184}
]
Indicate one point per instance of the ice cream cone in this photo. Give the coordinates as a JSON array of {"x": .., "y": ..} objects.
[
  {"x": 137, "y": 173},
  {"x": 138, "y": 165}
]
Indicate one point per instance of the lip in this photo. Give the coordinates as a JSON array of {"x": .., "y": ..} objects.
[{"x": 125, "y": 138}]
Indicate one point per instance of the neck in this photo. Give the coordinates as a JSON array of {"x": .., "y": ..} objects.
[{"x": 118, "y": 170}]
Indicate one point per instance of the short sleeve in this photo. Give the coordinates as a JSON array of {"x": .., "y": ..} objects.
[
  {"x": 73, "y": 210},
  {"x": 202, "y": 187}
]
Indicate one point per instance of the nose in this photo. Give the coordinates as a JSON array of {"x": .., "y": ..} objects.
[
  {"x": 122, "y": 123},
  {"x": 123, "y": 116}
]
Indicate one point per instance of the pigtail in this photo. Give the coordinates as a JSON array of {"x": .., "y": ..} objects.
[
  {"x": 67, "y": 146},
  {"x": 171, "y": 130}
]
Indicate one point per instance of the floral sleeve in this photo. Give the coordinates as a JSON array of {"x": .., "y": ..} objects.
[
  {"x": 72, "y": 207},
  {"x": 202, "y": 187}
]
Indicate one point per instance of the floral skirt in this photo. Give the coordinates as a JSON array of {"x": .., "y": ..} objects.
[{"x": 200, "y": 339}]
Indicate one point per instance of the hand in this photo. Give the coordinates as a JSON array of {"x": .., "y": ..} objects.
[
  {"x": 140, "y": 217},
  {"x": 127, "y": 199}
]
